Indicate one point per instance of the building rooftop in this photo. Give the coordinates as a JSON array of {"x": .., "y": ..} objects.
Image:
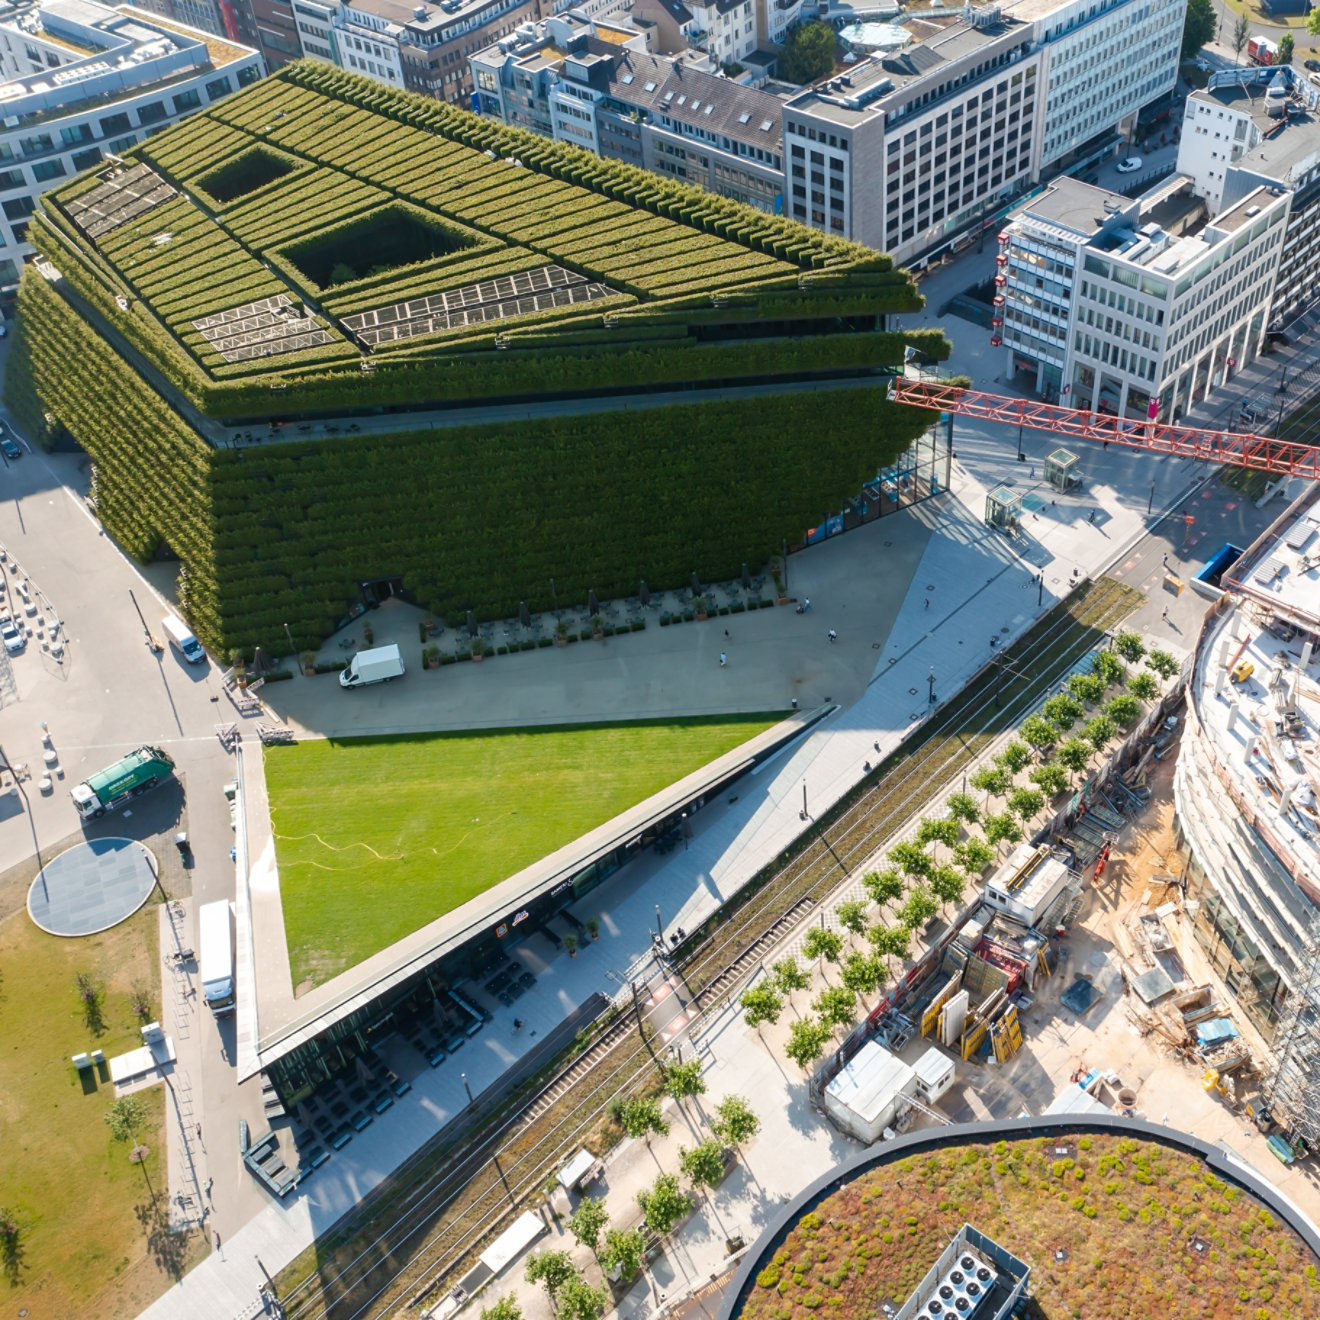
[{"x": 1076, "y": 205}]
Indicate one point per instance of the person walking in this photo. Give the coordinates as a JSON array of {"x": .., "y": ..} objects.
[
  {"x": 1092, "y": 518},
  {"x": 1164, "y": 614},
  {"x": 1031, "y": 473},
  {"x": 1165, "y": 561},
  {"x": 726, "y": 634},
  {"x": 833, "y": 636},
  {"x": 724, "y": 659}
]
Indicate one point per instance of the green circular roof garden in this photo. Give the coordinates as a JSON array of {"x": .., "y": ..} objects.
[{"x": 1114, "y": 1226}]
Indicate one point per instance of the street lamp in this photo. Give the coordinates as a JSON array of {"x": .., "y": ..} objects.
[
  {"x": 659, "y": 928},
  {"x": 1150, "y": 503},
  {"x": 1022, "y": 458},
  {"x": 931, "y": 682},
  {"x": 803, "y": 814},
  {"x": 467, "y": 1088},
  {"x": 293, "y": 650}
]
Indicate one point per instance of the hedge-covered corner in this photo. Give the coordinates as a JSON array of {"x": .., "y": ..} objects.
[
  {"x": 471, "y": 517},
  {"x": 335, "y": 196}
]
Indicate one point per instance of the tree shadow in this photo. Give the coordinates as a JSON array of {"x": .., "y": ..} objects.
[
  {"x": 13, "y": 1250},
  {"x": 168, "y": 1249}
]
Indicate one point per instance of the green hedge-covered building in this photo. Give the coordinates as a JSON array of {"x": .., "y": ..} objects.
[{"x": 214, "y": 317}]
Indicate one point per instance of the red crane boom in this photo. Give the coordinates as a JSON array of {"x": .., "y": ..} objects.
[{"x": 1249, "y": 451}]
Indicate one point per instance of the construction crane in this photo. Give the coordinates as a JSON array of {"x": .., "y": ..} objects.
[{"x": 1260, "y": 452}]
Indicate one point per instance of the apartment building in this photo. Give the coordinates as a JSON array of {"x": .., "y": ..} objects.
[
  {"x": 1262, "y": 126},
  {"x": 595, "y": 85},
  {"x": 265, "y": 25},
  {"x": 422, "y": 47},
  {"x": 1105, "y": 59},
  {"x": 1137, "y": 308},
  {"x": 83, "y": 80}
]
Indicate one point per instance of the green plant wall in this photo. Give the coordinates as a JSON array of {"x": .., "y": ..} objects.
[{"x": 477, "y": 517}]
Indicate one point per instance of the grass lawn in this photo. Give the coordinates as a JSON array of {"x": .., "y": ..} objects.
[
  {"x": 92, "y": 1239},
  {"x": 1124, "y": 1211},
  {"x": 377, "y": 836}
]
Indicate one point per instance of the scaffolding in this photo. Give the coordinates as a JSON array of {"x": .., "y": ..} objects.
[{"x": 1292, "y": 1092}]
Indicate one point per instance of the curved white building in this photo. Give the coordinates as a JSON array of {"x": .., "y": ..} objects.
[{"x": 1248, "y": 775}]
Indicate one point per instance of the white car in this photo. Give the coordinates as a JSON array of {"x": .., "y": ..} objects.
[
  {"x": 1129, "y": 166},
  {"x": 12, "y": 635}
]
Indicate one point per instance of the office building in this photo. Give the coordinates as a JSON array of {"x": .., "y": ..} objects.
[
  {"x": 1136, "y": 307},
  {"x": 595, "y": 86},
  {"x": 1262, "y": 126},
  {"x": 266, "y": 25},
  {"x": 84, "y": 80}
]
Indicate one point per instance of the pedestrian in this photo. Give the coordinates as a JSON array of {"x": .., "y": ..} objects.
[
  {"x": 1031, "y": 473},
  {"x": 206, "y": 1187},
  {"x": 833, "y": 636},
  {"x": 1092, "y": 519},
  {"x": 877, "y": 745},
  {"x": 724, "y": 659},
  {"x": 806, "y": 605},
  {"x": 199, "y": 1132},
  {"x": 1165, "y": 614},
  {"x": 217, "y": 1239},
  {"x": 517, "y": 1024},
  {"x": 726, "y": 634},
  {"x": 1166, "y": 561}
]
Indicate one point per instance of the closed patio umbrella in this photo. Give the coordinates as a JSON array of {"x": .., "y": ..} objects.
[
  {"x": 644, "y": 595},
  {"x": 696, "y": 583},
  {"x": 471, "y": 624},
  {"x": 746, "y": 579},
  {"x": 524, "y": 614},
  {"x": 593, "y": 605}
]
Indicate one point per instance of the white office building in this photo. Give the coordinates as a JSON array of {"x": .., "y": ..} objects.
[
  {"x": 1136, "y": 308},
  {"x": 84, "y": 80}
]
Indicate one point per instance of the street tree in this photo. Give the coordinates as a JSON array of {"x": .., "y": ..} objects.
[
  {"x": 1242, "y": 34},
  {"x": 1015, "y": 757},
  {"x": 910, "y": 858},
  {"x": 1038, "y": 732},
  {"x": 551, "y": 1269},
  {"x": 507, "y": 1308},
  {"x": 948, "y": 883},
  {"x": 1162, "y": 663},
  {"x": 962, "y": 806},
  {"x": 683, "y": 1081},
  {"x": 1130, "y": 646},
  {"x": 1123, "y": 709},
  {"x": 126, "y": 1118},
  {"x": 1199, "y": 27},
  {"x": 851, "y": 916},
  {"x": 806, "y": 1040},
  {"x": 974, "y": 855},
  {"x": 580, "y": 1300},
  {"x": 663, "y": 1204},
  {"x": 1144, "y": 686},
  {"x": 1099, "y": 731},
  {"x": 1062, "y": 710},
  {"x": 1287, "y": 47},
  {"x": 1002, "y": 828},
  {"x": 837, "y": 1006},
  {"x": 808, "y": 53},
  {"x": 1025, "y": 803},
  {"x": 890, "y": 941},
  {"x": 1089, "y": 688},
  {"x": 862, "y": 973},
  {"x": 761, "y": 1003},
  {"x": 624, "y": 1252},
  {"x": 1108, "y": 668},
  {"x": 883, "y": 886},
  {"x": 1075, "y": 754},
  {"x": 821, "y": 944},
  {"x": 921, "y": 905},
  {"x": 1050, "y": 779},
  {"x": 588, "y": 1222},
  {"x": 703, "y": 1164},
  {"x": 640, "y": 1116},
  {"x": 736, "y": 1122},
  {"x": 790, "y": 976},
  {"x": 990, "y": 779},
  {"x": 942, "y": 831}
]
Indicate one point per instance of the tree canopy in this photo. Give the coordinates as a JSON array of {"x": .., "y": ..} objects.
[{"x": 808, "y": 53}]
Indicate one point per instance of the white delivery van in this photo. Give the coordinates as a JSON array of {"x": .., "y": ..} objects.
[
  {"x": 377, "y": 666},
  {"x": 182, "y": 640}
]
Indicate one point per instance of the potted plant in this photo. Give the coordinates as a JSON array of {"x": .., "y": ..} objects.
[
  {"x": 429, "y": 624},
  {"x": 700, "y": 608},
  {"x": 593, "y": 927},
  {"x": 238, "y": 662},
  {"x": 570, "y": 943},
  {"x": 561, "y": 633},
  {"x": 432, "y": 654},
  {"x": 478, "y": 650},
  {"x": 308, "y": 659},
  {"x": 597, "y": 627}
]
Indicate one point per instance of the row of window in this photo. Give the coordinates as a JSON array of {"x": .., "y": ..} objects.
[{"x": 1113, "y": 355}]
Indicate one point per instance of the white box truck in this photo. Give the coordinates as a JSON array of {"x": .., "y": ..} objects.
[
  {"x": 376, "y": 666},
  {"x": 182, "y": 640},
  {"x": 215, "y": 926}
]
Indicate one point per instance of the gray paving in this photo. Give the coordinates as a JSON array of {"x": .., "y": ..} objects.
[{"x": 92, "y": 887}]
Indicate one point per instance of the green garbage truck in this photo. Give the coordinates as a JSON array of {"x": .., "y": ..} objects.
[{"x": 127, "y": 778}]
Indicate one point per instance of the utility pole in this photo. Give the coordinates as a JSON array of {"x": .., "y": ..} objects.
[{"x": 146, "y": 631}]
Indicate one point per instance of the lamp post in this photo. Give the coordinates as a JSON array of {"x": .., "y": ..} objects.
[
  {"x": 467, "y": 1088},
  {"x": 1150, "y": 503},
  {"x": 804, "y": 814},
  {"x": 1040, "y": 588},
  {"x": 659, "y": 928},
  {"x": 1022, "y": 458},
  {"x": 931, "y": 682},
  {"x": 293, "y": 650}
]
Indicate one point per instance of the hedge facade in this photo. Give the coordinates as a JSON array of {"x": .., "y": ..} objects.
[
  {"x": 274, "y": 183},
  {"x": 475, "y": 517}
]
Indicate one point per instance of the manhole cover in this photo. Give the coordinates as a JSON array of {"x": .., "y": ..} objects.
[
  {"x": 912, "y": 692},
  {"x": 875, "y": 646},
  {"x": 1004, "y": 629},
  {"x": 930, "y": 586}
]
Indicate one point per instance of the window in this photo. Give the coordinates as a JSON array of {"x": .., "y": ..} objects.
[
  {"x": 84, "y": 160},
  {"x": 217, "y": 88},
  {"x": 151, "y": 113},
  {"x": 18, "y": 208},
  {"x": 46, "y": 170},
  {"x": 114, "y": 124},
  {"x": 35, "y": 146},
  {"x": 188, "y": 100},
  {"x": 71, "y": 137},
  {"x": 119, "y": 145},
  {"x": 249, "y": 73},
  {"x": 11, "y": 179}
]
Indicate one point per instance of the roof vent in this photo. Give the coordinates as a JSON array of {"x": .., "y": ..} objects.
[
  {"x": 419, "y": 11},
  {"x": 1252, "y": 210},
  {"x": 967, "y": 1263}
]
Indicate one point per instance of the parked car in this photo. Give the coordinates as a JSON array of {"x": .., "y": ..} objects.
[
  {"x": 1312, "y": 65},
  {"x": 1278, "y": 338},
  {"x": 1130, "y": 165},
  {"x": 12, "y": 635},
  {"x": 11, "y": 450}
]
